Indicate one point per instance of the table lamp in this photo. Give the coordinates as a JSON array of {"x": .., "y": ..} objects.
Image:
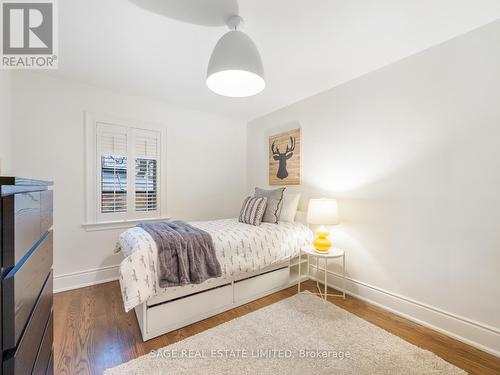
[{"x": 322, "y": 212}]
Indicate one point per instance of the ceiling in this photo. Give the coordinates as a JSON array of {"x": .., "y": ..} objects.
[{"x": 307, "y": 46}]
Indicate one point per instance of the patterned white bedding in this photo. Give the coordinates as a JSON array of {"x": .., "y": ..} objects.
[{"x": 240, "y": 248}]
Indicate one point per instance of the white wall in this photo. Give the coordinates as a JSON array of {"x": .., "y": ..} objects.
[
  {"x": 412, "y": 151},
  {"x": 5, "y": 122},
  {"x": 205, "y": 168}
]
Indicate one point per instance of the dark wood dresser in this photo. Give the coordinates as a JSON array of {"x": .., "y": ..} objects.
[{"x": 26, "y": 268}]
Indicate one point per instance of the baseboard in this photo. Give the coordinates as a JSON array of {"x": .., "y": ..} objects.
[
  {"x": 479, "y": 335},
  {"x": 85, "y": 278}
]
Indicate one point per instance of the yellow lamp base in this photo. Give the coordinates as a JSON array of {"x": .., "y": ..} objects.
[{"x": 321, "y": 242}]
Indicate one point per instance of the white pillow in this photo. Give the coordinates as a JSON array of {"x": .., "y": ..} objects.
[{"x": 289, "y": 205}]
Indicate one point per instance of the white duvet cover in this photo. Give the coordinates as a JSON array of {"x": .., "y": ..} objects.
[{"x": 240, "y": 248}]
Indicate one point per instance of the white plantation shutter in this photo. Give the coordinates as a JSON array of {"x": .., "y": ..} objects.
[
  {"x": 146, "y": 149},
  {"x": 146, "y": 143},
  {"x": 127, "y": 172},
  {"x": 112, "y": 165},
  {"x": 113, "y": 142},
  {"x": 145, "y": 185},
  {"x": 113, "y": 184}
]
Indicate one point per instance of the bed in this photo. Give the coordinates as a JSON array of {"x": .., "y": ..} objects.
[{"x": 255, "y": 261}]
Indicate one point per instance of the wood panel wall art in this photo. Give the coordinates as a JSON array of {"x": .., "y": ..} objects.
[{"x": 284, "y": 158}]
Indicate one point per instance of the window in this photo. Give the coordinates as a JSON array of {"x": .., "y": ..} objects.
[{"x": 124, "y": 179}]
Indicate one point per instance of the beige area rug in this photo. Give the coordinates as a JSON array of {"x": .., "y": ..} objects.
[{"x": 299, "y": 335}]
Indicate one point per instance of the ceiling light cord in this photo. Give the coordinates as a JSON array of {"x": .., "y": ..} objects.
[{"x": 235, "y": 23}]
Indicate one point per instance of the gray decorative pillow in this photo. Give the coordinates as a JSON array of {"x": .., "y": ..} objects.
[
  {"x": 252, "y": 210},
  {"x": 274, "y": 198}
]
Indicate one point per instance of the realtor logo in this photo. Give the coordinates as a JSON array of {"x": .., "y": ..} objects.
[{"x": 28, "y": 34}]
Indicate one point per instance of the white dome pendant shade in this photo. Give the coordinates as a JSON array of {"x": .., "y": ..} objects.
[{"x": 235, "y": 67}]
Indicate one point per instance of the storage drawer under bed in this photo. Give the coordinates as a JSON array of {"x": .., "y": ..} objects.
[
  {"x": 171, "y": 314},
  {"x": 253, "y": 287},
  {"x": 187, "y": 309}
]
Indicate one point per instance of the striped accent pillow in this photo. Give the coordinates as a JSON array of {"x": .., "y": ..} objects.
[{"x": 253, "y": 210}]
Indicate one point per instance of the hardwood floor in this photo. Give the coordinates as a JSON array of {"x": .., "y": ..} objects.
[{"x": 92, "y": 332}]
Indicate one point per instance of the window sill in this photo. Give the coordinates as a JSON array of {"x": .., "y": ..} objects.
[{"x": 110, "y": 225}]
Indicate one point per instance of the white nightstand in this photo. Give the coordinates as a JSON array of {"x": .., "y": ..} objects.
[{"x": 333, "y": 253}]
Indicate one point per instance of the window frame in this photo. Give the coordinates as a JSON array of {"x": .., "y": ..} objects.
[{"x": 94, "y": 218}]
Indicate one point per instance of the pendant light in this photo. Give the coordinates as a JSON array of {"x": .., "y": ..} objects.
[{"x": 235, "y": 67}]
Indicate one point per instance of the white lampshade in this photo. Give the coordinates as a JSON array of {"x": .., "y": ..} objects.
[
  {"x": 323, "y": 212},
  {"x": 235, "y": 67}
]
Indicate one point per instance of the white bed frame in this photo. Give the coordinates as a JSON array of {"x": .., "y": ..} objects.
[{"x": 192, "y": 303}]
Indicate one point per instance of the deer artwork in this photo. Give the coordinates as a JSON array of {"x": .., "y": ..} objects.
[{"x": 282, "y": 157}]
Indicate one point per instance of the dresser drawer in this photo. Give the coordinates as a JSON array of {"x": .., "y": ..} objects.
[
  {"x": 21, "y": 289},
  {"x": 46, "y": 202},
  {"x": 23, "y": 358},
  {"x": 50, "y": 367},
  {"x": 21, "y": 225},
  {"x": 45, "y": 351}
]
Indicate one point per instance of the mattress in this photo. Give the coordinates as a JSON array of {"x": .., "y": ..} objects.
[{"x": 240, "y": 249}]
